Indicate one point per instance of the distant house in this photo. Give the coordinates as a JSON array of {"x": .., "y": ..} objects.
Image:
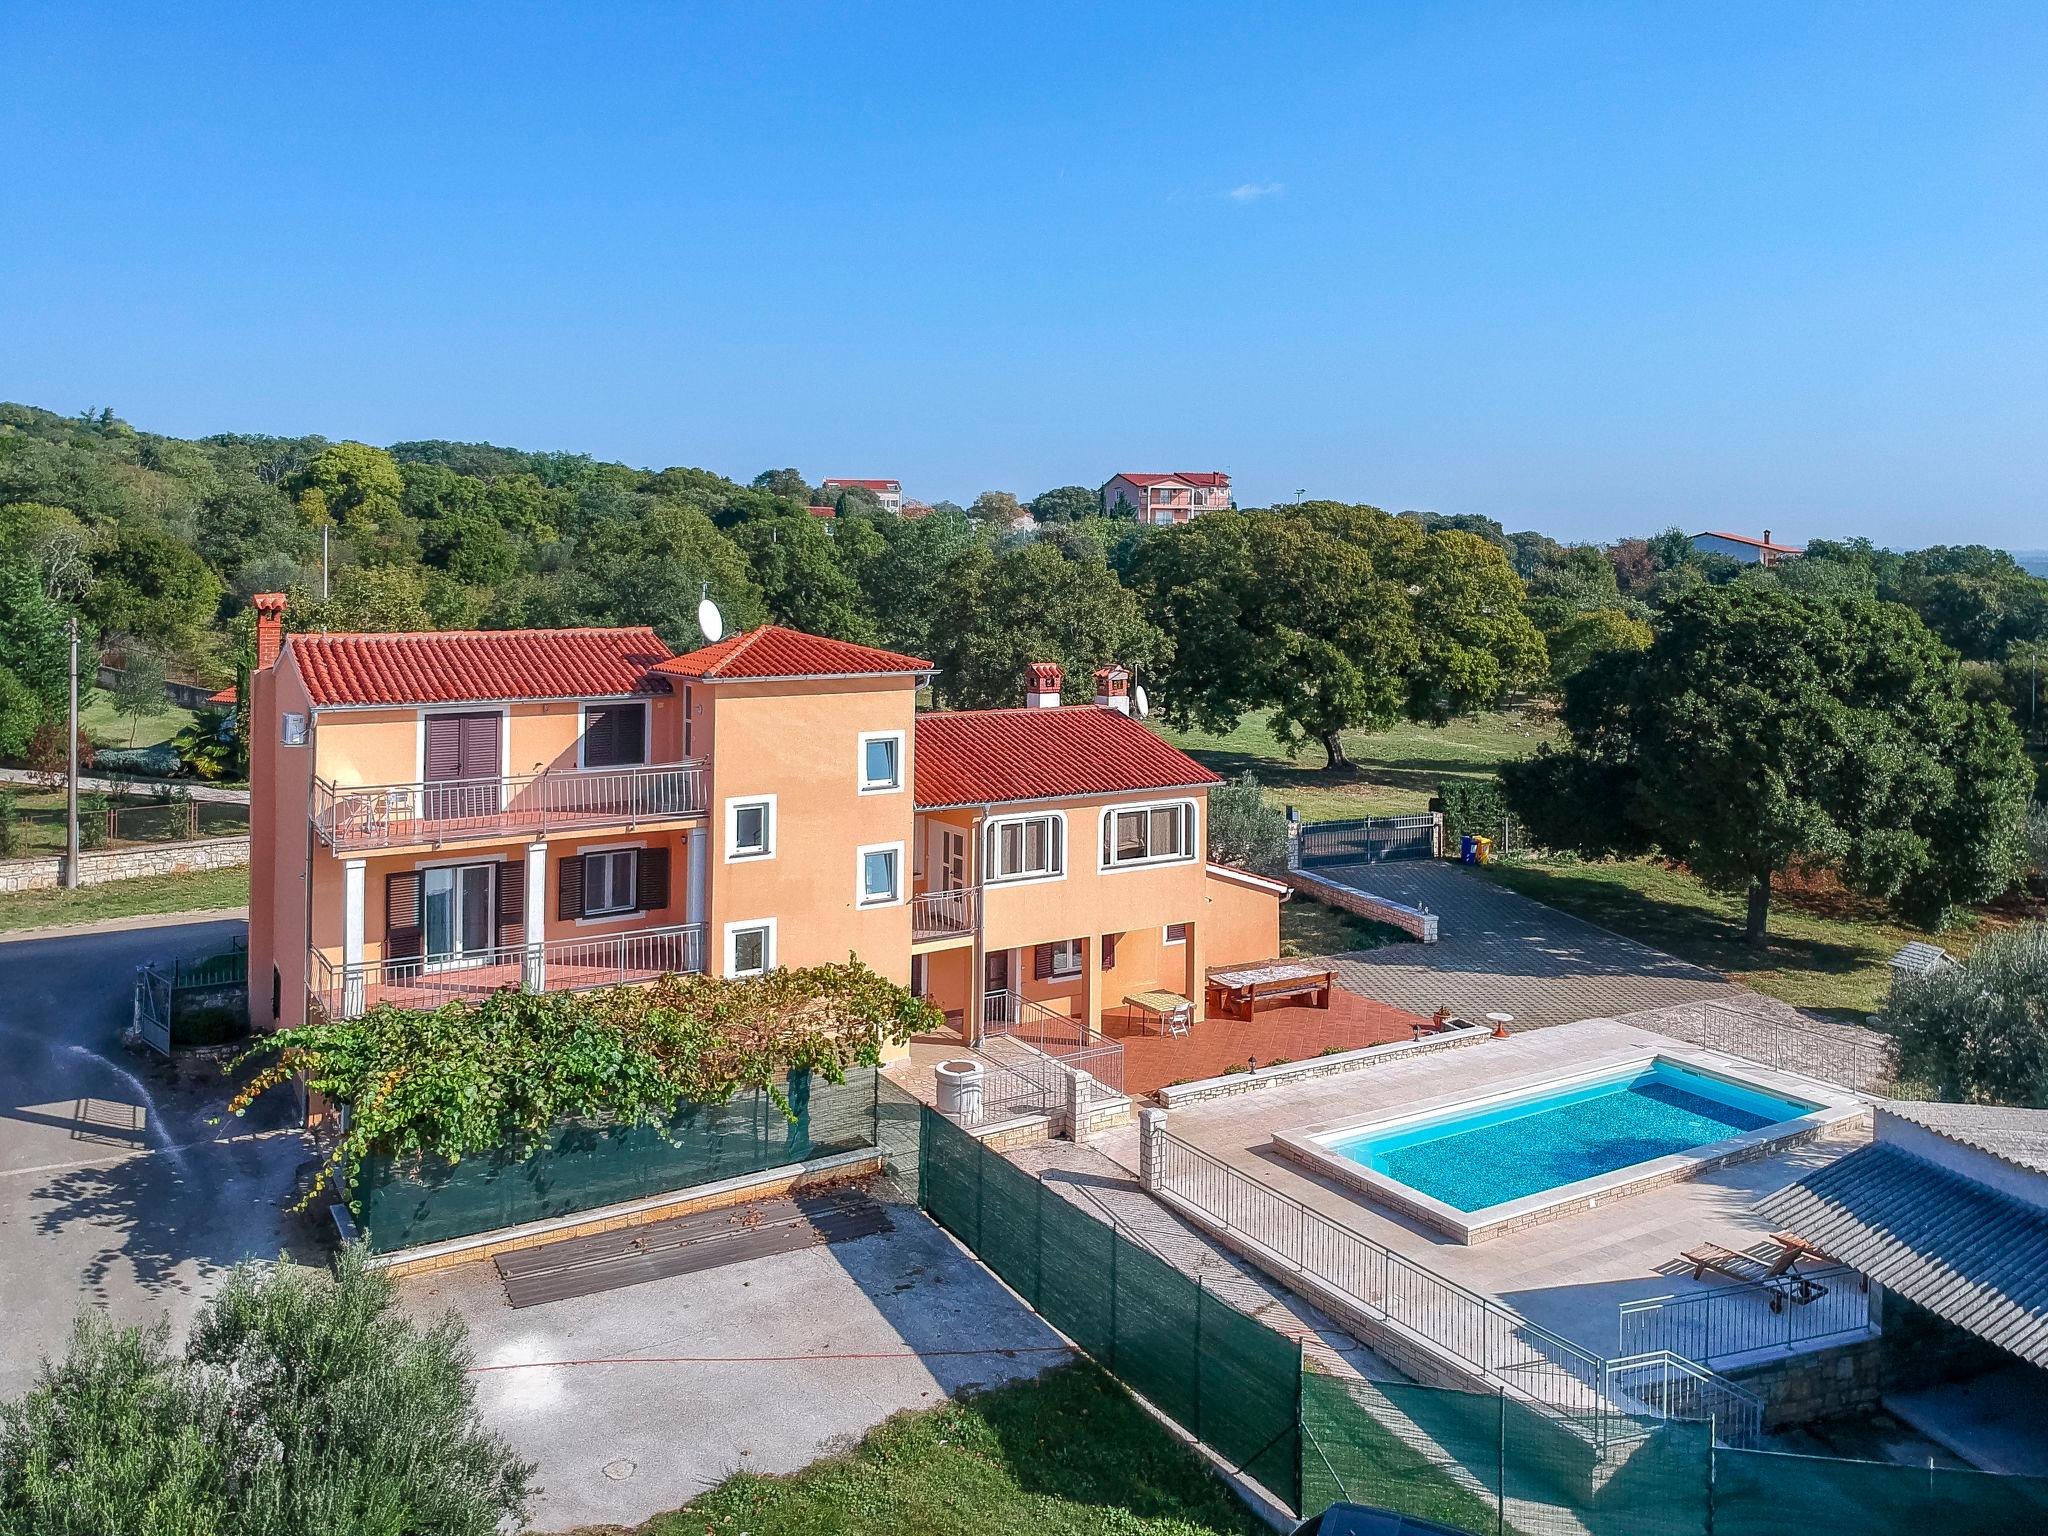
[
  {"x": 1740, "y": 546},
  {"x": 888, "y": 492},
  {"x": 1170, "y": 498}
]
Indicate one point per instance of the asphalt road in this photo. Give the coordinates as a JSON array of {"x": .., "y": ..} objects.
[{"x": 114, "y": 1189}]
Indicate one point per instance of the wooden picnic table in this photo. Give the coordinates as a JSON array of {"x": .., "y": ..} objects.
[
  {"x": 1174, "y": 1012},
  {"x": 1237, "y": 993}
]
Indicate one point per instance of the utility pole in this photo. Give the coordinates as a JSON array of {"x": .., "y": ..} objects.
[
  {"x": 71, "y": 777},
  {"x": 323, "y": 561}
]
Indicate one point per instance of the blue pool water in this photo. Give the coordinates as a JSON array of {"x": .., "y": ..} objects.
[{"x": 1472, "y": 1159}]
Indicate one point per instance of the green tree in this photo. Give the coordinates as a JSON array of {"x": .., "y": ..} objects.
[
  {"x": 907, "y": 569},
  {"x": 1585, "y": 636},
  {"x": 364, "y": 599},
  {"x": 1978, "y": 1032},
  {"x": 362, "y": 491},
  {"x": 996, "y": 509},
  {"x": 35, "y": 642},
  {"x": 1065, "y": 504},
  {"x": 793, "y": 561},
  {"x": 1244, "y": 829},
  {"x": 301, "y": 1403},
  {"x": 1765, "y": 728},
  {"x": 786, "y": 482},
  {"x": 21, "y": 715},
  {"x": 50, "y": 541},
  {"x": 151, "y": 585},
  {"x": 138, "y": 691},
  {"x": 652, "y": 572}
]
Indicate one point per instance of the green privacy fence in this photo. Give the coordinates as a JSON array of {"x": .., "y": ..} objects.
[
  {"x": 1227, "y": 1379},
  {"x": 1477, "y": 1462},
  {"x": 580, "y": 1167}
]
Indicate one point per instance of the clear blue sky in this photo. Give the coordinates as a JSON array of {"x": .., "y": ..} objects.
[{"x": 1593, "y": 269}]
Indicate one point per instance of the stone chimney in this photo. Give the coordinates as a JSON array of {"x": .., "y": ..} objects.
[
  {"x": 1767, "y": 535},
  {"x": 269, "y": 608},
  {"x": 1113, "y": 689},
  {"x": 1042, "y": 681}
]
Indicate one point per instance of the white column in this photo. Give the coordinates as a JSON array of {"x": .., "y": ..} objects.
[
  {"x": 352, "y": 881},
  {"x": 698, "y": 908},
  {"x": 535, "y": 978}
]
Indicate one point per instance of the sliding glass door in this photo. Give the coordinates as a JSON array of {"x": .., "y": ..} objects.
[{"x": 458, "y": 915}]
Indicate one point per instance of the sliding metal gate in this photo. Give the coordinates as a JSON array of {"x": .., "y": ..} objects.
[{"x": 1370, "y": 841}]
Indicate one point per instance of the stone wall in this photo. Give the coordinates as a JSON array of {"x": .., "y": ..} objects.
[
  {"x": 1410, "y": 920},
  {"x": 41, "y": 874}
]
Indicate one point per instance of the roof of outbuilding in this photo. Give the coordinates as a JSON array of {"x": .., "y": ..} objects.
[
  {"x": 1002, "y": 756},
  {"x": 1964, "y": 1251},
  {"x": 475, "y": 666},
  {"x": 1743, "y": 538},
  {"x": 775, "y": 652},
  {"x": 2016, "y": 1136}
]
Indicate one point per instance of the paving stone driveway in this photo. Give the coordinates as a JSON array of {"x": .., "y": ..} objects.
[{"x": 1500, "y": 952}]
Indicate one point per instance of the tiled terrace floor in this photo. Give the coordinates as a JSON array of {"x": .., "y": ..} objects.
[{"x": 1152, "y": 1060}]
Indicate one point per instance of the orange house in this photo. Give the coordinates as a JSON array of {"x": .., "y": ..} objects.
[{"x": 440, "y": 815}]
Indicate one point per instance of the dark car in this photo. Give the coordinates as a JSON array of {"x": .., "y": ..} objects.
[{"x": 1362, "y": 1520}]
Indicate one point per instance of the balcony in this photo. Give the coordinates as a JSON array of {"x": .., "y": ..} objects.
[
  {"x": 553, "y": 965},
  {"x": 350, "y": 818},
  {"x": 936, "y": 916}
]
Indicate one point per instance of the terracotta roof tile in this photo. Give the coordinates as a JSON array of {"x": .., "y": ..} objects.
[
  {"x": 997, "y": 756},
  {"x": 463, "y": 666},
  {"x": 775, "y": 652},
  {"x": 1210, "y": 477}
]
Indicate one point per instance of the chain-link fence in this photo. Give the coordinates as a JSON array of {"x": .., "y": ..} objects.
[{"x": 1483, "y": 1463}]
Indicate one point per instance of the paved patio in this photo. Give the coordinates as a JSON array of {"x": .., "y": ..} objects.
[
  {"x": 1503, "y": 953},
  {"x": 1212, "y": 1046},
  {"x": 1569, "y": 1274}
]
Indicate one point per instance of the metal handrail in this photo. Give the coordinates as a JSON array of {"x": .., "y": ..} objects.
[
  {"x": 1667, "y": 1385},
  {"x": 353, "y": 816},
  {"x": 944, "y": 914},
  {"x": 552, "y": 965},
  {"x": 1716, "y": 1324}
]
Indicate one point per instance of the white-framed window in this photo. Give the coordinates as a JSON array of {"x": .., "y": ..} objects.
[
  {"x": 750, "y": 947},
  {"x": 1148, "y": 834},
  {"x": 880, "y": 872},
  {"x": 879, "y": 768},
  {"x": 749, "y": 828},
  {"x": 611, "y": 882},
  {"x": 1026, "y": 847},
  {"x": 1066, "y": 958},
  {"x": 293, "y": 729},
  {"x": 614, "y": 735},
  {"x": 1176, "y": 933}
]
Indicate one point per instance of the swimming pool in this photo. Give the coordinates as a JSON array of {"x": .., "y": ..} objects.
[{"x": 1533, "y": 1150}]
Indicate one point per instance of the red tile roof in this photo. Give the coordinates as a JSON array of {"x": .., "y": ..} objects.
[
  {"x": 1191, "y": 477},
  {"x": 997, "y": 756},
  {"x": 227, "y": 695},
  {"x": 464, "y": 666},
  {"x": 1743, "y": 538},
  {"x": 775, "y": 652},
  {"x": 824, "y": 511},
  {"x": 870, "y": 485}
]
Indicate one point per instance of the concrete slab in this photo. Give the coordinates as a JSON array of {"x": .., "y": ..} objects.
[
  {"x": 1993, "y": 1422},
  {"x": 636, "y": 1400}
]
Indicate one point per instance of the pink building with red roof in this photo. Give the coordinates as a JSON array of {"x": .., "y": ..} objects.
[
  {"x": 888, "y": 492},
  {"x": 1166, "y": 498},
  {"x": 436, "y": 816}
]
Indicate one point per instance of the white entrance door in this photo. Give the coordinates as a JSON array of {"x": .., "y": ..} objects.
[
  {"x": 458, "y": 915},
  {"x": 952, "y": 859}
]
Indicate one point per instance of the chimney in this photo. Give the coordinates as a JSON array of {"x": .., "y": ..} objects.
[
  {"x": 1042, "y": 685},
  {"x": 1767, "y": 535},
  {"x": 269, "y": 608},
  {"x": 1113, "y": 689}
]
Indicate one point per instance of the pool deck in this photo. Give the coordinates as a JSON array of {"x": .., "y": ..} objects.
[{"x": 1569, "y": 1273}]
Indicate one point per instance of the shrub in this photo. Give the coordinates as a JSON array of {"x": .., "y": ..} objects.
[
  {"x": 1472, "y": 807},
  {"x": 1978, "y": 1031},
  {"x": 302, "y": 1402},
  {"x": 1244, "y": 830},
  {"x": 158, "y": 762},
  {"x": 210, "y": 747},
  {"x": 92, "y": 820},
  {"x": 2037, "y": 839},
  {"x": 10, "y": 823}
]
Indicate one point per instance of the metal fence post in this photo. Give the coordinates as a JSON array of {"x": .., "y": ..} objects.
[
  {"x": 1115, "y": 1242},
  {"x": 1200, "y": 1292}
]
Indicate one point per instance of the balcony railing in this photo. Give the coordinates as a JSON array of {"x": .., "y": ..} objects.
[
  {"x": 943, "y": 914},
  {"x": 355, "y": 816},
  {"x": 552, "y": 965}
]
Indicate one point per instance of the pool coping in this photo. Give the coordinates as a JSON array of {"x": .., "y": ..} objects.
[{"x": 1834, "y": 1108}]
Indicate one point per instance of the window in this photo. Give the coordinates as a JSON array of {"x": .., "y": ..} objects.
[
  {"x": 610, "y": 882},
  {"x": 1148, "y": 834},
  {"x": 879, "y": 866},
  {"x": 293, "y": 732},
  {"x": 1176, "y": 933},
  {"x": 1057, "y": 962},
  {"x": 1027, "y": 848},
  {"x": 881, "y": 761},
  {"x": 750, "y": 828},
  {"x": 614, "y": 735},
  {"x": 750, "y": 947}
]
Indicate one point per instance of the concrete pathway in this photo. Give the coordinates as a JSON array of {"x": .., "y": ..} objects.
[
  {"x": 1503, "y": 953},
  {"x": 213, "y": 793}
]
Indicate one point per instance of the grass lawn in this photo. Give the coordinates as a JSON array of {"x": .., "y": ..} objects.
[
  {"x": 39, "y": 820},
  {"x": 1311, "y": 928},
  {"x": 104, "y": 727},
  {"x": 195, "y": 892},
  {"x": 1068, "y": 1454},
  {"x": 1826, "y": 948},
  {"x": 1392, "y": 772}
]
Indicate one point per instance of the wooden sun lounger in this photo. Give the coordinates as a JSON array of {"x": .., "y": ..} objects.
[{"x": 1777, "y": 1277}]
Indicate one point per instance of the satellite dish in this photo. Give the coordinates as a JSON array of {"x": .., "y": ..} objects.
[
  {"x": 1144, "y": 704},
  {"x": 709, "y": 620}
]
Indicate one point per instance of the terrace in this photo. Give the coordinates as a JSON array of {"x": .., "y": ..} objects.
[
  {"x": 554, "y": 965},
  {"x": 355, "y": 817}
]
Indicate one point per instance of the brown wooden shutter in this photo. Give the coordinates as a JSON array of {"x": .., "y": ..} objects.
[
  {"x": 629, "y": 722},
  {"x": 480, "y": 759},
  {"x": 511, "y": 902},
  {"x": 569, "y": 889},
  {"x": 653, "y": 893},
  {"x": 1109, "y": 951},
  {"x": 444, "y": 747},
  {"x": 600, "y": 738},
  {"x": 1041, "y": 962},
  {"x": 404, "y": 936}
]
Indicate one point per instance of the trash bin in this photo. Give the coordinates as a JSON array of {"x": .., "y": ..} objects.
[
  {"x": 959, "y": 1085},
  {"x": 1485, "y": 849},
  {"x": 1468, "y": 849}
]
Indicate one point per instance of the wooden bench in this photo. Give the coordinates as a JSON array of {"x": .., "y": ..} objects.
[{"x": 1237, "y": 993}]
